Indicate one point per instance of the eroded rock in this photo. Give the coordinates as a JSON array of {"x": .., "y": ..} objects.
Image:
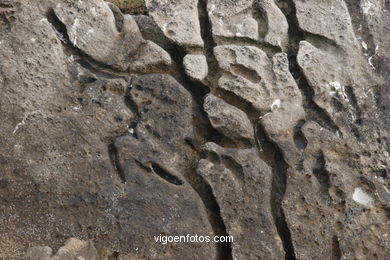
[
  {"x": 178, "y": 20},
  {"x": 195, "y": 66},
  {"x": 109, "y": 37},
  {"x": 96, "y": 147},
  {"x": 261, "y": 21},
  {"x": 267, "y": 85},
  {"x": 241, "y": 183},
  {"x": 229, "y": 120},
  {"x": 232, "y": 21}
]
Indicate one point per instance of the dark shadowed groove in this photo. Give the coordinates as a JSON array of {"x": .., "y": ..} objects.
[
  {"x": 321, "y": 174},
  {"x": 299, "y": 138},
  {"x": 224, "y": 250},
  {"x": 202, "y": 127},
  {"x": 203, "y": 188},
  {"x": 165, "y": 174},
  {"x": 336, "y": 251},
  {"x": 197, "y": 91},
  {"x": 313, "y": 111},
  {"x": 113, "y": 256},
  {"x": 129, "y": 102},
  {"x": 272, "y": 155},
  {"x": 114, "y": 157}
]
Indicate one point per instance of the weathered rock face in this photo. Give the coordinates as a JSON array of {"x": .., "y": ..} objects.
[
  {"x": 73, "y": 249},
  {"x": 259, "y": 119},
  {"x": 242, "y": 184}
]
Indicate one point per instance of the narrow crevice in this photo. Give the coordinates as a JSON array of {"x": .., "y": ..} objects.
[
  {"x": 314, "y": 112},
  {"x": 271, "y": 154},
  {"x": 129, "y": 102},
  {"x": 113, "y": 256},
  {"x": 98, "y": 72},
  {"x": 238, "y": 102},
  {"x": 321, "y": 174},
  {"x": 165, "y": 174},
  {"x": 279, "y": 183},
  {"x": 209, "y": 43},
  {"x": 245, "y": 72},
  {"x": 320, "y": 41},
  {"x": 299, "y": 138},
  {"x": 118, "y": 16},
  {"x": 114, "y": 158},
  {"x": 205, "y": 192},
  {"x": 197, "y": 89},
  {"x": 336, "y": 251},
  {"x": 354, "y": 103},
  {"x": 203, "y": 131}
]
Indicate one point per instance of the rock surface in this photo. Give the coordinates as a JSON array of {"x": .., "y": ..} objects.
[
  {"x": 228, "y": 120},
  {"x": 196, "y": 66},
  {"x": 262, "y": 120},
  {"x": 73, "y": 249},
  {"x": 178, "y": 20}
]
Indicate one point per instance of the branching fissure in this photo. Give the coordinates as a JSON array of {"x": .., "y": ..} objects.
[
  {"x": 271, "y": 154},
  {"x": 313, "y": 111}
]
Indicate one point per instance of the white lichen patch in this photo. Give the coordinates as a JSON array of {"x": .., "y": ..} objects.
[
  {"x": 366, "y": 6},
  {"x": 73, "y": 31},
  {"x": 337, "y": 89},
  {"x": 275, "y": 104},
  {"x": 364, "y": 45},
  {"x": 372, "y": 56},
  {"x": 363, "y": 197}
]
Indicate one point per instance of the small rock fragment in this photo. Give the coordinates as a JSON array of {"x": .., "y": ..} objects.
[
  {"x": 178, "y": 20},
  {"x": 195, "y": 66},
  {"x": 227, "y": 119}
]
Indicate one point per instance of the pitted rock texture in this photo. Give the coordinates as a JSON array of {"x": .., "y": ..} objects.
[
  {"x": 265, "y": 120},
  {"x": 73, "y": 249}
]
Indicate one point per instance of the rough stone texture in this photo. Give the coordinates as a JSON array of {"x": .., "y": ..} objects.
[
  {"x": 130, "y": 6},
  {"x": 73, "y": 249},
  {"x": 229, "y": 21},
  {"x": 229, "y": 120},
  {"x": 263, "y": 120},
  {"x": 259, "y": 20},
  {"x": 242, "y": 183},
  {"x": 195, "y": 66},
  {"x": 109, "y": 37},
  {"x": 269, "y": 87},
  {"x": 178, "y": 20}
]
